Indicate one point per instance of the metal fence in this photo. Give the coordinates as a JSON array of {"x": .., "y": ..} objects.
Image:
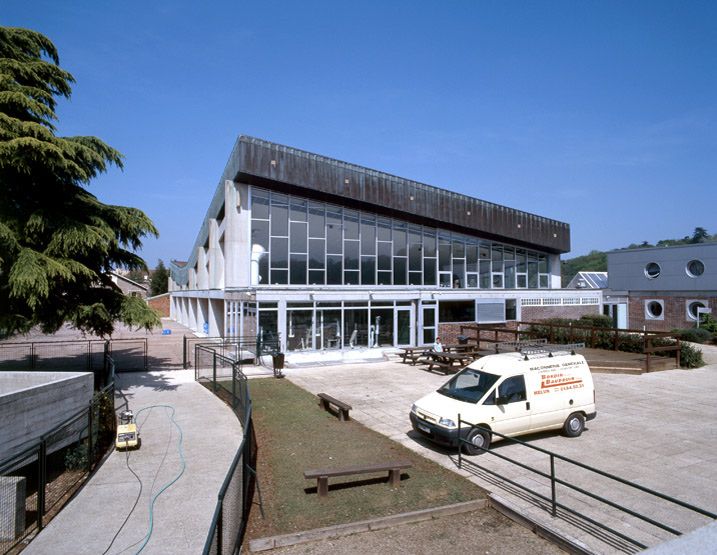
[
  {"x": 37, "y": 482},
  {"x": 225, "y": 378},
  {"x": 603, "y": 486},
  {"x": 73, "y": 355},
  {"x": 246, "y": 349}
]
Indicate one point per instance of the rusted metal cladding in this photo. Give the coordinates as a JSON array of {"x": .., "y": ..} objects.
[{"x": 299, "y": 172}]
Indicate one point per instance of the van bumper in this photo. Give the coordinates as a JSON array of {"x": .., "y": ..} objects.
[
  {"x": 437, "y": 434},
  {"x": 590, "y": 415}
]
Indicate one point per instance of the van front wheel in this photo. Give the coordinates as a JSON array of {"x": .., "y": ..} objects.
[
  {"x": 478, "y": 442},
  {"x": 574, "y": 425}
]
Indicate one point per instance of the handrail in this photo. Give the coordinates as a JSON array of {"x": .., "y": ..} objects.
[{"x": 555, "y": 480}]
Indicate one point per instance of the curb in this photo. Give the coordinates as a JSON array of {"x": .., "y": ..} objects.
[
  {"x": 566, "y": 543},
  {"x": 339, "y": 530}
]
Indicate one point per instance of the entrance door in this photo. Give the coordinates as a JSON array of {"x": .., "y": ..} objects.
[{"x": 404, "y": 326}]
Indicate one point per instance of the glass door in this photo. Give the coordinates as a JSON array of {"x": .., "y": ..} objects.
[{"x": 404, "y": 326}]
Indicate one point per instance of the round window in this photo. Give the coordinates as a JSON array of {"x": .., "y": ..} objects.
[
  {"x": 695, "y": 268},
  {"x": 692, "y": 308},
  {"x": 652, "y": 270},
  {"x": 654, "y": 309}
]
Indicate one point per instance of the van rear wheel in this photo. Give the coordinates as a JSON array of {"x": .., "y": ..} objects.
[
  {"x": 574, "y": 425},
  {"x": 478, "y": 442}
]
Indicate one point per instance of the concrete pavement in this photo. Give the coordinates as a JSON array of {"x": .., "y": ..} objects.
[
  {"x": 182, "y": 514},
  {"x": 655, "y": 429}
]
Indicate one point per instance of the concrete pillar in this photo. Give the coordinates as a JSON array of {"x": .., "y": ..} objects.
[
  {"x": 281, "y": 323},
  {"x": 216, "y": 318},
  {"x": 216, "y": 257},
  {"x": 237, "y": 235},
  {"x": 203, "y": 315},
  {"x": 202, "y": 273},
  {"x": 554, "y": 265},
  {"x": 192, "y": 274},
  {"x": 192, "y": 314}
]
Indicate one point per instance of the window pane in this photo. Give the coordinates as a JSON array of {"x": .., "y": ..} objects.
[
  {"x": 414, "y": 278},
  {"x": 368, "y": 239},
  {"x": 279, "y": 252},
  {"x": 368, "y": 270},
  {"x": 429, "y": 244},
  {"x": 333, "y": 270},
  {"x": 259, "y": 206},
  {"x": 384, "y": 229},
  {"x": 279, "y": 220},
  {"x": 264, "y": 269},
  {"x": 351, "y": 255},
  {"x": 415, "y": 260},
  {"x": 399, "y": 242},
  {"x": 351, "y": 277},
  {"x": 429, "y": 271},
  {"x": 510, "y": 275},
  {"x": 298, "y": 237},
  {"x": 298, "y": 210},
  {"x": 399, "y": 271},
  {"x": 316, "y": 277},
  {"x": 316, "y": 253},
  {"x": 317, "y": 220},
  {"x": 472, "y": 258},
  {"x": 384, "y": 256},
  {"x": 260, "y": 233},
  {"x": 444, "y": 257},
  {"x": 279, "y": 277},
  {"x": 334, "y": 236},
  {"x": 484, "y": 274},
  {"x": 351, "y": 225},
  {"x": 456, "y": 311},
  {"x": 458, "y": 249},
  {"x": 384, "y": 278},
  {"x": 458, "y": 274},
  {"x": 298, "y": 269}
]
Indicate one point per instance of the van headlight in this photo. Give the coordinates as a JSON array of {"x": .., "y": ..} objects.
[{"x": 447, "y": 422}]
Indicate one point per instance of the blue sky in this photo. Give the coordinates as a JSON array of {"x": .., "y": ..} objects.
[{"x": 600, "y": 114}]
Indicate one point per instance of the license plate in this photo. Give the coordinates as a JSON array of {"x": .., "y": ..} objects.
[{"x": 424, "y": 428}]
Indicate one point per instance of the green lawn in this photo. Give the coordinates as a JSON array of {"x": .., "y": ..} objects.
[{"x": 294, "y": 434}]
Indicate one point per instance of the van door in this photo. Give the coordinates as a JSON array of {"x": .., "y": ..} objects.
[{"x": 510, "y": 413}]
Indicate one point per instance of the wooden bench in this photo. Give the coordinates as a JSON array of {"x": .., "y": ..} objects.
[
  {"x": 342, "y": 409},
  {"x": 322, "y": 475}
]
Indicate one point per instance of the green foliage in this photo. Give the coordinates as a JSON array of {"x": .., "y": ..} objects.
[
  {"x": 596, "y": 320},
  {"x": 596, "y": 261},
  {"x": 76, "y": 457},
  {"x": 160, "y": 280},
  {"x": 690, "y": 357},
  {"x": 58, "y": 242},
  {"x": 707, "y": 322},
  {"x": 694, "y": 335}
]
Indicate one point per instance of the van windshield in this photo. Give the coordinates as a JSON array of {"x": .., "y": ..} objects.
[{"x": 468, "y": 385}]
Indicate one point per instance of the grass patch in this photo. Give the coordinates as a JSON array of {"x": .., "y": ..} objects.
[{"x": 294, "y": 434}]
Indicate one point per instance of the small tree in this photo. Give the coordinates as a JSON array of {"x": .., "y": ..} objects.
[
  {"x": 58, "y": 242},
  {"x": 160, "y": 279}
]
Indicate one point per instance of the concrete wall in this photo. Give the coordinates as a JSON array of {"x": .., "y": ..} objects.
[{"x": 32, "y": 403}]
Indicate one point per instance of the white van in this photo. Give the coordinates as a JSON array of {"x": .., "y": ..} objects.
[{"x": 512, "y": 394}]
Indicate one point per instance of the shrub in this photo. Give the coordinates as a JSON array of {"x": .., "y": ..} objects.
[
  {"x": 707, "y": 322},
  {"x": 690, "y": 357},
  {"x": 695, "y": 335},
  {"x": 76, "y": 458},
  {"x": 596, "y": 320}
]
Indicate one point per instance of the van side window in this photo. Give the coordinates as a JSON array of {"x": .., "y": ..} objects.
[{"x": 513, "y": 389}]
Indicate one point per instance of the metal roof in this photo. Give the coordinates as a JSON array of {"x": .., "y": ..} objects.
[{"x": 588, "y": 280}]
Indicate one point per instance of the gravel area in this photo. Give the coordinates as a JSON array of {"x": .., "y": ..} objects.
[{"x": 485, "y": 531}]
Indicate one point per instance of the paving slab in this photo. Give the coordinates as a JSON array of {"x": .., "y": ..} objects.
[
  {"x": 656, "y": 429},
  {"x": 182, "y": 514}
]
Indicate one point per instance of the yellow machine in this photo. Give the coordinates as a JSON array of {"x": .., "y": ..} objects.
[{"x": 127, "y": 434}]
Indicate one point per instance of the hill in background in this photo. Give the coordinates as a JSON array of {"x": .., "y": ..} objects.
[{"x": 596, "y": 261}]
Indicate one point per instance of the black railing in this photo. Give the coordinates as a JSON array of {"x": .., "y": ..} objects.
[
  {"x": 48, "y": 471},
  {"x": 225, "y": 378},
  {"x": 73, "y": 355},
  {"x": 553, "y": 502},
  {"x": 243, "y": 348}
]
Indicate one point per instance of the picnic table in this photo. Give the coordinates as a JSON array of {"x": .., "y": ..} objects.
[
  {"x": 415, "y": 354},
  {"x": 448, "y": 362}
]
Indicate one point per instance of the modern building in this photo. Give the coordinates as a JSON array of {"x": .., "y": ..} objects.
[
  {"x": 326, "y": 255},
  {"x": 663, "y": 288}
]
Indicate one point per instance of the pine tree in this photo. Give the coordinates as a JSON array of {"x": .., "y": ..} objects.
[
  {"x": 160, "y": 280},
  {"x": 58, "y": 242}
]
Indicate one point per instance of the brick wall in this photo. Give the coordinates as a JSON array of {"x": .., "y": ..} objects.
[
  {"x": 161, "y": 304},
  {"x": 674, "y": 312}
]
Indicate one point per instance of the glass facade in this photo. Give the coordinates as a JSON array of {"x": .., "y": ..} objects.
[{"x": 304, "y": 242}]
